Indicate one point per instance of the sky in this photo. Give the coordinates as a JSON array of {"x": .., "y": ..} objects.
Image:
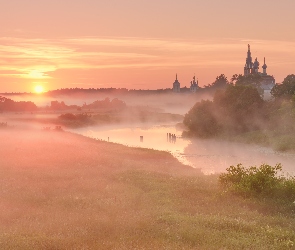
[{"x": 139, "y": 44}]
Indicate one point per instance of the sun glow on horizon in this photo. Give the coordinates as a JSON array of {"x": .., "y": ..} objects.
[{"x": 39, "y": 89}]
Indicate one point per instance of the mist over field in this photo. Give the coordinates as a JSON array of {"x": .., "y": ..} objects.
[
  {"x": 61, "y": 190},
  {"x": 147, "y": 125},
  {"x": 121, "y": 172},
  {"x": 152, "y": 116},
  {"x": 167, "y": 102}
]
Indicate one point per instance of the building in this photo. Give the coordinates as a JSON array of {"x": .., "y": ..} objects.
[
  {"x": 267, "y": 81},
  {"x": 194, "y": 85},
  {"x": 176, "y": 85}
]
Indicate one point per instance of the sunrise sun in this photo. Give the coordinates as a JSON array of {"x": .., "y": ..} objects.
[{"x": 39, "y": 89}]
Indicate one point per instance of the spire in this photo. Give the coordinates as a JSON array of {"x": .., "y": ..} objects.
[
  {"x": 176, "y": 76},
  {"x": 249, "y": 64},
  {"x": 264, "y": 67}
]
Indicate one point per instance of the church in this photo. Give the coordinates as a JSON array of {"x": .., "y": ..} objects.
[
  {"x": 193, "y": 87},
  {"x": 176, "y": 85},
  {"x": 267, "y": 82}
]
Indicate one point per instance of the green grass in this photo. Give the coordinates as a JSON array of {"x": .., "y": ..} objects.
[
  {"x": 97, "y": 195},
  {"x": 278, "y": 141},
  {"x": 146, "y": 210}
]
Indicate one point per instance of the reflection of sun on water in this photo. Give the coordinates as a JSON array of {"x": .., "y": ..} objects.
[{"x": 39, "y": 89}]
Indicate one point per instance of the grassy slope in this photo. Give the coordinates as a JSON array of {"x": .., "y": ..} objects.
[
  {"x": 64, "y": 191},
  {"x": 279, "y": 142}
]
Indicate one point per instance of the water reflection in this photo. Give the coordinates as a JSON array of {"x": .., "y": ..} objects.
[
  {"x": 215, "y": 156},
  {"x": 210, "y": 156},
  {"x": 153, "y": 137}
]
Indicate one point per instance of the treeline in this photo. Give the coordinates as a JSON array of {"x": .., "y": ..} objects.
[
  {"x": 107, "y": 103},
  {"x": 239, "y": 111},
  {"x": 110, "y": 91},
  {"x": 9, "y": 105}
]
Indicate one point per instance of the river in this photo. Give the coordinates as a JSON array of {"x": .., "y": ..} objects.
[{"x": 211, "y": 156}]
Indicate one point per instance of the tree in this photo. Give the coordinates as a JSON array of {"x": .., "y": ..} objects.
[
  {"x": 238, "y": 99},
  {"x": 220, "y": 81},
  {"x": 286, "y": 89},
  {"x": 201, "y": 120},
  {"x": 235, "y": 78},
  {"x": 7, "y": 104},
  {"x": 251, "y": 79},
  {"x": 235, "y": 109},
  {"x": 239, "y": 108}
]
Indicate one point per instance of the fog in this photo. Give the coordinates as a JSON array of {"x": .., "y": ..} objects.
[
  {"x": 165, "y": 102},
  {"x": 83, "y": 179},
  {"x": 211, "y": 156}
]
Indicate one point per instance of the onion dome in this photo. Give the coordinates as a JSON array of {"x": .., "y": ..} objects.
[{"x": 256, "y": 64}]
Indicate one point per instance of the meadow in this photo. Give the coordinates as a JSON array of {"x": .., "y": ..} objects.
[{"x": 65, "y": 191}]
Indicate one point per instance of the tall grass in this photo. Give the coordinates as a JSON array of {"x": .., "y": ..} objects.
[{"x": 62, "y": 191}]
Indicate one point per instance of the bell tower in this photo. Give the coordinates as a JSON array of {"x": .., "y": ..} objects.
[{"x": 249, "y": 64}]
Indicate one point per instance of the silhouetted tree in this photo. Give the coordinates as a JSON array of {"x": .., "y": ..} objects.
[
  {"x": 7, "y": 104},
  {"x": 220, "y": 82},
  {"x": 235, "y": 109},
  {"x": 201, "y": 120},
  {"x": 286, "y": 89}
]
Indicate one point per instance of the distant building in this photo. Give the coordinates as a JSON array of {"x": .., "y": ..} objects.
[
  {"x": 194, "y": 85},
  {"x": 176, "y": 85},
  {"x": 267, "y": 82}
]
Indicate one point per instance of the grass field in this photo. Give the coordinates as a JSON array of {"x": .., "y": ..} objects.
[{"x": 64, "y": 191}]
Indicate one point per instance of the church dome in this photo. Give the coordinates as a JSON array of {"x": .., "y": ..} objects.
[{"x": 256, "y": 64}]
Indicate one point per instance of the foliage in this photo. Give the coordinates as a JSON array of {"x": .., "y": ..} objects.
[
  {"x": 286, "y": 89},
  {"x": 253, "y": 80},
  {"x": 239, "y": 99},
  {"x": 106, "y": 103},
  {"x": 71, "y": 116},
  {"x": 263, "y": 181},
  {"x": 7, "y": 104},
  {"x": 76, "y": 120},
  {"x": 240, "y": 114},
  {"x": 220, "y": 81},
  {"x": 201, "y": 120},
  {"x": 234, "y": 109}
]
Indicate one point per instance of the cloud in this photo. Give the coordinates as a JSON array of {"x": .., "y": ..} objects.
[{"x": 38, "y": 58}]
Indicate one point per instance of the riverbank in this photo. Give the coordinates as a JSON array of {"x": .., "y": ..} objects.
[{"x": 65, "y": 191}]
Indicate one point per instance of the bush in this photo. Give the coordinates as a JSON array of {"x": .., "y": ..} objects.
[{"x": 263, "y": 181}]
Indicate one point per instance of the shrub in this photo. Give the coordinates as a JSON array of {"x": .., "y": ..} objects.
[{"x": 263, "y": 181}]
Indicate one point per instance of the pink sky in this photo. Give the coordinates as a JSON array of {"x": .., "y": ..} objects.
[{"x": 139, "y": 44}]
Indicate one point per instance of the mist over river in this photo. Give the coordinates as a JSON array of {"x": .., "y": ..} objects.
[{"x": 211, "y": 156}]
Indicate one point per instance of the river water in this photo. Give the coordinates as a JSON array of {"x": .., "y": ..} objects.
[{"x": 210, "y": 156}]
